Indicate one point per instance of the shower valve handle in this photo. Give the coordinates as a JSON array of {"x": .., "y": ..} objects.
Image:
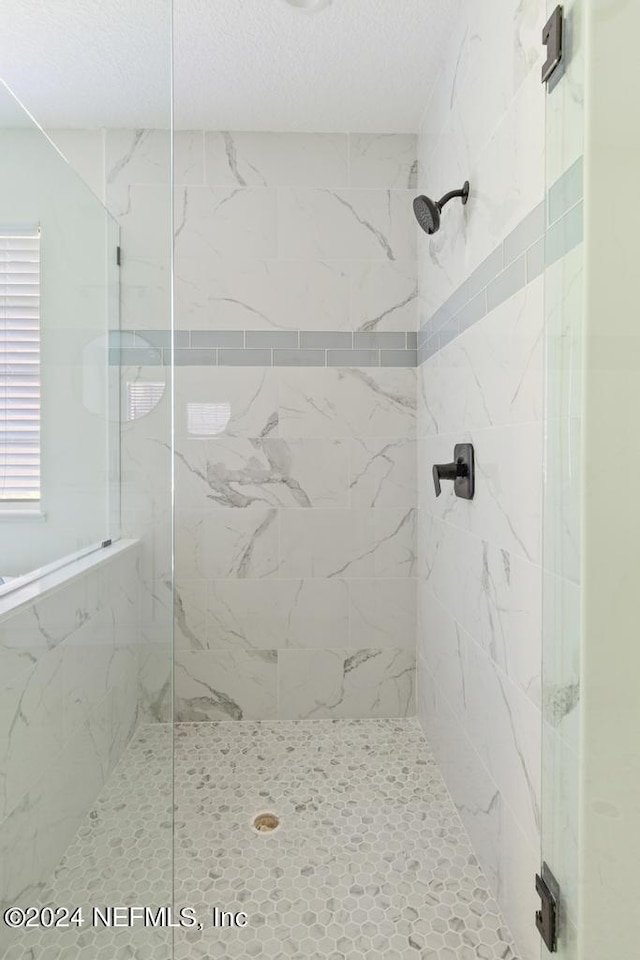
[
  {"x": 461, "y": 471},
  {"x": 447, "y": 471}
]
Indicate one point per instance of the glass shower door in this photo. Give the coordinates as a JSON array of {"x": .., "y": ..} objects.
[{"x": 86, "y": 651}]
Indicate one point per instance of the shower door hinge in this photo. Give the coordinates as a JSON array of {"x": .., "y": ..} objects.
[
  {"x": 553, "y": 40},
  {"x": 118, "y": 255},
  {"x": 547, "y": 917}
]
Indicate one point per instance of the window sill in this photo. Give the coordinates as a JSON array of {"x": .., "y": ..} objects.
[{"x": 8, "y": 514}]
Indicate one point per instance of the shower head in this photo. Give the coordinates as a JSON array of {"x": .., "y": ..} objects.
[{"x": 428, "y": 211}]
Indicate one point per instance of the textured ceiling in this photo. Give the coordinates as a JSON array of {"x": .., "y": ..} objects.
[{"x": 364, "y": 65}]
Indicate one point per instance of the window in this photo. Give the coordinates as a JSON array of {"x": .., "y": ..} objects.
[{"x": 19, "y": 366}]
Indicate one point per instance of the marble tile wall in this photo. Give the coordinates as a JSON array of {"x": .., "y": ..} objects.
[
  {"x": 295, "y": 486},
  {"x": 295, "y": 516},
  {"x": 480, "y": 561},
  {"x": 68, "y": 707}
]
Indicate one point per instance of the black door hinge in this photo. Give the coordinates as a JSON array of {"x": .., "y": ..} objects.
[
  {"x": 553, "y": 39},
  {"x": 547, "y": 918},
  {"x": 118, "y": 255}
]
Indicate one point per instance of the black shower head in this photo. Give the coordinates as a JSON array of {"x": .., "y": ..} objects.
[{"x": 428, "y": 212}]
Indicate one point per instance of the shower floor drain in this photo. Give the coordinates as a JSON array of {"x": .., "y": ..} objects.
[{"x": 266, "y": 823}]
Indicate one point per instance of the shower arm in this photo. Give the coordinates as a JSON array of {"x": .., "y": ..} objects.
[{"x": 463, "y": 193}]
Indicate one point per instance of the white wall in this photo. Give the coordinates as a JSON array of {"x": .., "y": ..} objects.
[
  {"x": 479, "y": 644},
  {"x": 610, "y": 786}
]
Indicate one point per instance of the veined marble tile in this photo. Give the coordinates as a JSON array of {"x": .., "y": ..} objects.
[
  {"x": 511, "y": 166},
  {"x": 143, "y": 156},
  {"x": 32, "y": 714},
  {"x": 348, "y": 543},
  {"x": 219, "y": 685},
  {"x": 382, "y": 613},
  {"x": 277, "y": 159},
  {"x": 429, "y": 392},
  {"x": 383, "y": 160},
  {"x": 505, "y": 728},
  {"x": 493, "y": 373},
  {"x": 89, "y": 666},
  {"x": 36, "y": 833},
  {"x": 274, "y": 614},
  {"x": 382, "y": 473},
  {"x": 507, "y": 856},
  {"x": 145, "y": 289},
  {"x": 441, "y": 647},
  {"x": 315, "y": 684},
  {"x": 30, "y": 633},
  {"x": 144, "y": 213},
  {"x": 155, "y": 672},
  {"x": 384, "y": 296},
  {"x": 221, "y": 401},
  {"x": 346, "y": 224},
  {"x": 223, "y": 293},
  {"x": 347, "y": 402},
  {"x": 503, "y": 48},
  {"x": 495, "y": 596},
  {"x": 232, "y": 472},
  {"x": 229, "y": 222},
  {"x": 228, "y": 543},
  {"x": 501, "y": 722},
  {"x": 190, "y": 614},
  {"x": 506, "y": 509}
]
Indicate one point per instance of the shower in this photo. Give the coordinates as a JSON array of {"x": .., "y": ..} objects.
[{"x": 428, "y": 211}]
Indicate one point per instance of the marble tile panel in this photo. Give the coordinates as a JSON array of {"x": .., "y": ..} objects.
[
  {"x": 233, "y": 472},
  {"x": 507, "y": 856},
  {"x": 220, "y": 685},
  {"x": 222, "y": 293},
  {"x": 384, "y": 296},
  {"x": 347, "y": 402},
  {"x": 348, "y": 543},
  {"x": 346, "y": 224},
  {"x": 382, "y": 473},
  {"x": 225, "y": 221},
  {"x": 212, "y": 402},
  {"x": 494, "y": 595},
  {"x": 383, "y": 160},
  {"x": 276, "y": 159},
  {"x": 382, "y": 613},
  {"x": 317, "y": 684},
  {"x": 276, "y": 614},
  {"x": 143, "y": 156},
  {"x": 229, "y": 543}
]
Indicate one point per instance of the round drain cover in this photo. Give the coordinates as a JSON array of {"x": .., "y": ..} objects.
[{"x": 266, "y": 822}]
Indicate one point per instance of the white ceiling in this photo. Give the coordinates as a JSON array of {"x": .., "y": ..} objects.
[{"x": 366, "y": 65}]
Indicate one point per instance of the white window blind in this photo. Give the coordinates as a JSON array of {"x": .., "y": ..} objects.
[{"x": 19, "y": 364}]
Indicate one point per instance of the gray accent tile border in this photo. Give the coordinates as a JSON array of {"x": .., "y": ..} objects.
[
  {"x": 553, "y": 228},
  {"x": 270, "y": 348}
]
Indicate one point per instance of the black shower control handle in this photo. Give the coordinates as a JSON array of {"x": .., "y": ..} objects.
[
  {"x": 461, "y": 471},
  {"x": 448, "y": 471}
]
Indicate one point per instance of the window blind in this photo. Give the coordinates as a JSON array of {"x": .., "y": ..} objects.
[{"x": 19, "y": 364}]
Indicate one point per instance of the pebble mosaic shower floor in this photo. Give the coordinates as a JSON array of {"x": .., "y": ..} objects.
[{"x": 370, "y": 861}]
